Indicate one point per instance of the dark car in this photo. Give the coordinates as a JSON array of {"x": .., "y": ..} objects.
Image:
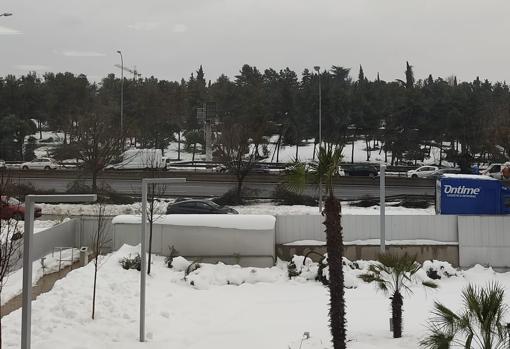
[
  {"x": 10, "y": 208},
  {"x": 442, "y": 171},
  {"x": 361, "y": 170},
  {"x": 198, "y": 207}
]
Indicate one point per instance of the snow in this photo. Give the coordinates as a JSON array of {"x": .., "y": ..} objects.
[
  {"x": 372, "y": 242},
  {"x": 281, "y": 210},
  {"x": 469, "y": 176},
  {"x": 255, "y": 208},
  {"x": 225, "y": 307},
  {"x": 306, "y": 243},
  {"x": 13, "y": 284},
  {"x": 249, "y": 222}
]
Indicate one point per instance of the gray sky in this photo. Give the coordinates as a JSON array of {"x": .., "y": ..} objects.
[{"x": 171, "y": 38}]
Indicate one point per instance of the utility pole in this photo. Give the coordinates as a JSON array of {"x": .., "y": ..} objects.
[
  {"x": 317, "y": 69},
  {"x": 121, "y": 98}
]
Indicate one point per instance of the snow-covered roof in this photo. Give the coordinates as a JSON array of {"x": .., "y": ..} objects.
[
  {"x": 469, "y": 176},
  {"x": 246, "y": 222}
]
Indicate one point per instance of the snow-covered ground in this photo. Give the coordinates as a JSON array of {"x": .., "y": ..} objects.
[
  {"x": 286, "y": 154},
  {"x": 220, "y": 306},
  {"x": 256, "y": 208},
  {"x": 13, "y": 283}
]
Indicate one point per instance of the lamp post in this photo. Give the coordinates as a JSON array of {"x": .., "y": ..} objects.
[
  {"x": 121, "y": 98},
  {"x": 317, "y": 69},
  {"x": 28, "y": 237},
  {"x": 143, "y": 254},
  {"x": 382, "y": 213}
]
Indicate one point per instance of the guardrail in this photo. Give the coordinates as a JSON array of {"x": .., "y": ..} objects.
[{"x": 210, "y": 177}]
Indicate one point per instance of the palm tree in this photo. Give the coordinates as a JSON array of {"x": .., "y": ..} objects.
[
  {"x": 478, "y": 325},
  {"x": 394, "y": 275},
  {"x": 325, "y": 168}
]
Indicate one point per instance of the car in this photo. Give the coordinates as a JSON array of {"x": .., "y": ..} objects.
[
  {"x": 422, "y": 172},
  {"x": 495, "y": 170},
  {"x": 198, "y": 207},
  {"x": 11, "y": 208},
  {"x": 437, "y": 174},
  {"x": 2, "y": 164},
  {"x": 361, "y": 170},
  {"x": 40, "y": 164}
]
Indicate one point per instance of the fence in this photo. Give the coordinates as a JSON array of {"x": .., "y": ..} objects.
[
  {"x": 404, "y": 227},
  {"x": 481, "y": 239}
]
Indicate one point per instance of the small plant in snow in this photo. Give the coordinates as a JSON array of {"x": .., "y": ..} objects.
[
  {"x": 394, "y": 275},
  {"x": 131, "y": 262}
]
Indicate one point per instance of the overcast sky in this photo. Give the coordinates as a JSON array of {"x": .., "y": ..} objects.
[{"x": 171, "y": 38}]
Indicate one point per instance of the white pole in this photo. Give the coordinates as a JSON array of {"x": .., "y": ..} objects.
[
  {"x": 320, "y": 135},
  {"x": 143, "y": 256},
  {"x": 26, "y": 312},
  {"x": 382, "y": 213},
  {"x": 28, "y": 237}
]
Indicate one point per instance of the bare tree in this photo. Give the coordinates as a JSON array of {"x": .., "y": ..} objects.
[
  {"x": 154, "y": 192},
  {"x": 11, "y": 241},
  {"x": 96, "y": 144},
  {"x": 99, "y": 242},
  {"x": 237, "y": 152}
]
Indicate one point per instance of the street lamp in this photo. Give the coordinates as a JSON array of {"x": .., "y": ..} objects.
[
  {"x": 121, "y": 97},
  {"x": 28, "y": 237},
  {"x": 317, "y": 69},
  {"x": 5, "y": 14},
  {"x": 143, "y": 254}
]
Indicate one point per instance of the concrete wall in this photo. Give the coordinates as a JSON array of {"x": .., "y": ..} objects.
[
  {"x": 484, "y": 240},
  {"x": 208, "y": 244},
  {"x": 357, "y": 227},
  {"x": 443, "y": 252}
]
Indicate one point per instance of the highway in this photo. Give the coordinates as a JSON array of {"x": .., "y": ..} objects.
[{"x": 208, "y": 185}]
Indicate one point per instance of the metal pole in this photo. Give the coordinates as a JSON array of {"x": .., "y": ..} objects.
[
  {"x": 121, "y": 98},
  {"x": 26, "y": 313},
  {"x": 143, "y": 256},
  {"x": 30, "y": 200},
  {"x": 320, "y": 135},
  {"x": 382, "y": 215}
]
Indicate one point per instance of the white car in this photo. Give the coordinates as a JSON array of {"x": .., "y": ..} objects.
[
  {"x": 422, "y": 172},
  {"x": 494, "y": 170},
  {"x": 40, "y": 164},
  {"x": 2, "y": 163}
]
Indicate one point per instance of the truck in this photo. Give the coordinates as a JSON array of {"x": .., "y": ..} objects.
[
  {"x": 140, "y": 159},
  {"x": 458, "y": 194}
]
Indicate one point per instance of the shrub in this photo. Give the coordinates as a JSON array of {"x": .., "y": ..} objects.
[
  {"x": 131, "y": 262},
  {"x": 284, "y": 196},
  {"x": 415, "y": 203}
]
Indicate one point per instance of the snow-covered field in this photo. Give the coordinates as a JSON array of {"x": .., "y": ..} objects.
[
  {"x": 225, "y": 307},
  {"x": 65, "y": 210}
]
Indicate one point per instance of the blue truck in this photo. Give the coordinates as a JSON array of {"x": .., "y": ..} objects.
[{"x": 471, "y": 195}]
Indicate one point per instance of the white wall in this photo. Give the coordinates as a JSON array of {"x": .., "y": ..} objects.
[
  {"x": 484, "y": 240},
  {"x": 248, "y": 247},
  {"x": 356, "y": 227}
]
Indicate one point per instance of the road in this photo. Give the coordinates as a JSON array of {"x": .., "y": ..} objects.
[{"x": 200, "y": 185}]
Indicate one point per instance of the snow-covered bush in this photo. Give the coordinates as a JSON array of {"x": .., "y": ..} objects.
[
  {"x": 438, "y": 270},
  {"x": 131, "y": 262}
]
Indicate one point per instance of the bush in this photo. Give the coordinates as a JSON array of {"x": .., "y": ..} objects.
[
  {"x": 229, "y": 198},
  {"x": 131, "y": 263},
  {"x": 284, "y": 196},
  {"x": 365, "y": 202},
  {"x": 415, "y": 203}
]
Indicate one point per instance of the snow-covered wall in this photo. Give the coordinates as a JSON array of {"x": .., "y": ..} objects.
[
  {"x": 358, "y": 227},
  {"x": 484, "y": 240},
  {"x": 248, "y": 240}
]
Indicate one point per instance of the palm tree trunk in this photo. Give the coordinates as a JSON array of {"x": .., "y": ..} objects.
[
  {"x": 396, "y": 313},
  {"x": 335, "y": 249}
]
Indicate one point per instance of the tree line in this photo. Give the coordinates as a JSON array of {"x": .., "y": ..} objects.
[{"x": 403, "y": 119}]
